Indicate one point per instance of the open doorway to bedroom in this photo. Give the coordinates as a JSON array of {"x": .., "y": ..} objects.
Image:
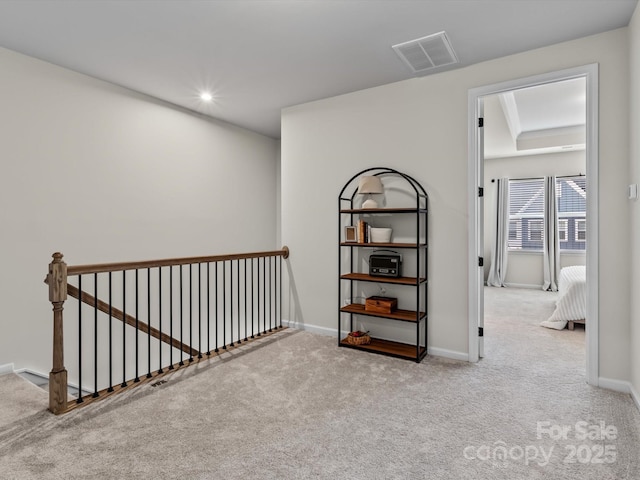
[
  {"x": 535, "y": 215},
  {"x": 533, "y": 165}
]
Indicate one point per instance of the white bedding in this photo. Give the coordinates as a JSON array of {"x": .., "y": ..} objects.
[{"x": 572, "y": 300}]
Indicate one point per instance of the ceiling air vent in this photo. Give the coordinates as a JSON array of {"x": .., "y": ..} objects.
[{"x": 427, "y": 52}]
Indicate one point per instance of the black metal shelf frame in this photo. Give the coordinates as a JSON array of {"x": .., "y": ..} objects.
[{"x": 346, "y": 206}]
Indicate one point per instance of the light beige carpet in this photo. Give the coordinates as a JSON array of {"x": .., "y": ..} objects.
[
  {"x": 19, "y": 399},
  {"x": 295, "y": 406}
]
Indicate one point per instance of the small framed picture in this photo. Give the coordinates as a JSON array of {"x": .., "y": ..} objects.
[{"x": 350, "y": 234}]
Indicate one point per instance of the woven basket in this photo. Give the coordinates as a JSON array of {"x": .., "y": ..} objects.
[{"x": 360, "y": 340}]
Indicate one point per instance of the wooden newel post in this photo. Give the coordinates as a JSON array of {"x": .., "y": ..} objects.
[{"x": 57, "y": 281}]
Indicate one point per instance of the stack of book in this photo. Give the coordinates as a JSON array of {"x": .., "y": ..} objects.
[{"x": 364, "y": 231}]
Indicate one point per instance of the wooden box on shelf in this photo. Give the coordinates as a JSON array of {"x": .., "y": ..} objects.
[{"x": 380, "y": 304}]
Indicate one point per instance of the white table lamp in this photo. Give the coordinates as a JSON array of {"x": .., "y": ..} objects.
[{"x": 370, "y": 185}]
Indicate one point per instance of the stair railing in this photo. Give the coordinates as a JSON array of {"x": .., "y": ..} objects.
[{"x": 158, "y": 316}]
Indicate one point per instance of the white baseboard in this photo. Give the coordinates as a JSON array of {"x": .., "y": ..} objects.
[
  {"x": 73, "y": 387},
  {"x": 523, "y": 285},
  {"x": 37, "y": 374},
  {"x": 620, "y": 386},
  {"x": 615, "y": 385},
  {"x": 329, "y": 332},
  {"x": 451, "y": 354},
  {"x": 635, "y": 396},
  {"x": 333, "y": 332},
  {"x": 8, "y": 368}
]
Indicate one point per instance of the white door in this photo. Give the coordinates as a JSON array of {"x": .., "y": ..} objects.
[{"x": 480, "y": 216}]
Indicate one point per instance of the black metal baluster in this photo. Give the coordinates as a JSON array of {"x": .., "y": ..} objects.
[
  {"x": 231, "y": 300},
  {"x": 199, "y": 310},
  {"x": 79, "y": 399},
  {"x": 252, "y": 303},
  {"x": 124, "y": 329},
  {"x": 181, "y": 318},
  {"x": 238, "y": 298},
  {"x": 270, "y": 296},
  {"x": 208, "y": 308},
  {"x": 171, "y": 316},
  {"x": 190, "y": 312},
  {"x": 149, "y": 323},
  {"x": 224, "y": 305},
  {"x": 259, "y": 333},
  {"x": 246, "y": 329},
  {"x": 274, "y": 293},
  {"x": 216, "y": 307},
  {"x": 280, "y": 290},
  {"x": 160, "y": 320},
  {"x": 264, "y": 293},
  {"x": 137, "y": 379},
  {"x": 110, "y": 389},
  {"x": 95, "y": 335}
]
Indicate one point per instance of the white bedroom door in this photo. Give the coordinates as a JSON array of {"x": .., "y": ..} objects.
[{"x": 480, "y": 238}]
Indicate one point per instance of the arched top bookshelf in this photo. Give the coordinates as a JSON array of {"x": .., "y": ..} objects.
[{"x": 362, "y": 261}]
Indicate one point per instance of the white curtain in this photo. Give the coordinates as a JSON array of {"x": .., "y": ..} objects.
[
  {"x": 551, "y": 241},
  {"x": 498, "y": 270}
]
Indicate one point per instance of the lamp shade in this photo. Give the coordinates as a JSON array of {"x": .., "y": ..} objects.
[{"x": 370, "y": 184}]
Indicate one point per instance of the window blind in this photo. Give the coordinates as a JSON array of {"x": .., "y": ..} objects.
[
  {"x": 526, "y": 213},
  {"x": 571, "y": 195}
]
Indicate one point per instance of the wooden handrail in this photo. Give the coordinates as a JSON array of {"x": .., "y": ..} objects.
[
  {"x": 59, "y": 288},
  {"x": 129, "y": 320},
  {"x": 120, "y": 266}
]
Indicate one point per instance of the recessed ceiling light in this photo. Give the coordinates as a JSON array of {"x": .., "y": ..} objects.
[{"x": 206, "y": 97}]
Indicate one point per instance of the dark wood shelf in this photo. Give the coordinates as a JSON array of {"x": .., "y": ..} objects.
[
  {"x": 360, "y": 211},
  {"x": 363, "y": 277},
  {"x": 387, "y": 347},
  {"x": 401, "y": 315},
  {"x": 378, "y": 245}
]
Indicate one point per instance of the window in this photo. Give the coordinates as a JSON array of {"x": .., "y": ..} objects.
[
  {"x": 571, "y": 196},
  {"x": 563, "y": 229},
  {"x": 515, "y": 232},
  {"x": 536, "y": 227},
  {"x": 581, "y": 230},
  {"x": 526, "y": 214}
]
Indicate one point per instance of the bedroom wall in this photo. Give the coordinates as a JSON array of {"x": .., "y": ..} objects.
[
  {"x": 525, "y": 269},
  {"x": 420, "y": 126},
  {"x": 101, "y": 174},
  {"x": 634, "y": 177}
]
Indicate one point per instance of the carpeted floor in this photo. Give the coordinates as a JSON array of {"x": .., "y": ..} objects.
[
  {"x": 19, "y": 399},
  {"x": 295, "y": 406}
]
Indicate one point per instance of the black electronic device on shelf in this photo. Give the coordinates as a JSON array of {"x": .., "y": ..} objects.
[{"x": 385, "y": 265}]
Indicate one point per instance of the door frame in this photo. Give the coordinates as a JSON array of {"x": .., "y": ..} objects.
[{"x": 476, "y": 180}]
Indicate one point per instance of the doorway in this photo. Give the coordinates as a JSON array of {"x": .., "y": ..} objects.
[{"x": 476, "y": 205}]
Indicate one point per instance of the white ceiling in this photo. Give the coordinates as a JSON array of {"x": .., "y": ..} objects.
[
  {"x": 541, "y": 119},
  {"x": 258, "y": 56}
]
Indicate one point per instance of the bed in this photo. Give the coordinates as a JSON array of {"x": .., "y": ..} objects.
[{"x": 571, "y": 306}]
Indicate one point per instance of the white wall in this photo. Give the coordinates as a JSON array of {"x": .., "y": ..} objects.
[
  {"x": 526, "y": 268},
  {"x": 420, "y": 126},
  {"x": 101, "y": 174},
  {"x": 634, "y": 177}
]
